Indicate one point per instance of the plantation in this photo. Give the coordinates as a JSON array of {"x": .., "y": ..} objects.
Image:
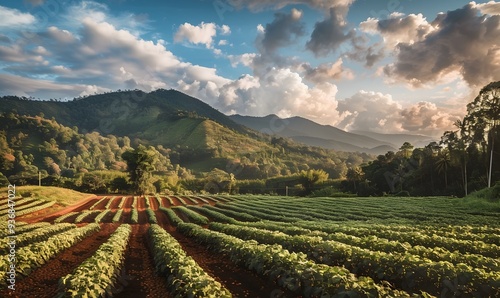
[{"x": 255, "y": 246}]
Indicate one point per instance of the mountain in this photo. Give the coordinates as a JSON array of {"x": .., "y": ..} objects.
[
  {"x": 163, "y": 117},
  {"x": 314, "y": 134},
  {"x": 398, "y": 139},
  {"x": 185, "y": 130}
]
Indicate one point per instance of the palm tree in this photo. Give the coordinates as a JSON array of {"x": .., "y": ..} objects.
[{"x": 443, "y": 163}]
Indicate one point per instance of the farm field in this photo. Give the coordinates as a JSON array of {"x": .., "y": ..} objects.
[{"x": 252, "y": 246}]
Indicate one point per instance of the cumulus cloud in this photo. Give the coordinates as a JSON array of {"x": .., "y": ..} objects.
[
  {"x": 282, "y": 32},
  {"x": 327, "y": 72},
  {"x": 22, "y": 86},
  {"x": 12, "y": 18},
  {"x": 462, "y": 41},
  {"x": 101, "y": 55},
  {"x": 201, "y": 34},
  {"x": 280, "y": 91},
  {"x": 243, "y": 59},
  {"x": 378, "y": 112},
  {"x": 399, "y": 28},
  {"x": 492, "y": 7},
  {"x": 225, "y": 30},
  {"x": 329, "y": 34},
  {"x": 426, "y": 116}
]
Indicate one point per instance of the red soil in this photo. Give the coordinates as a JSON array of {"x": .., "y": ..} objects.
[
  {"x": 43, "y": 282},
  {"x": 140, "y": 277}
]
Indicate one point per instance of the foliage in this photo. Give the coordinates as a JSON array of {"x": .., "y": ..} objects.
[
  {"x": 86, "y": 281},
  {"x": 35, "y": 255},
  {"x": 184, "y": 276}
]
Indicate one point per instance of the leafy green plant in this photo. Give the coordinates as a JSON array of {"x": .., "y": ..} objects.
[
  {"x": 97, "y": 275},
  {"x": 184, "y": 276}
]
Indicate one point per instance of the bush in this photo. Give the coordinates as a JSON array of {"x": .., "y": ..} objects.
[{"x": 330, "y": 192}]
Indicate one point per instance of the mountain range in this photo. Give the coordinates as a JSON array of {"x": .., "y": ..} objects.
[
  {"x": 313, "y": 134},
  {"x": 174, "y": 119}
]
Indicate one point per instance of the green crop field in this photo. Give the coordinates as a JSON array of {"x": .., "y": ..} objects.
[{"x": 291, "y": 246}]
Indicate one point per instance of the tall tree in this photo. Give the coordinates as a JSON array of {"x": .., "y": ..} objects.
[
  {"x": 141, "y": 163},
  {"x": 483, "y": 114}
]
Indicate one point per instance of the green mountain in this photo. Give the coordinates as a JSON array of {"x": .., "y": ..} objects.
[
  {"x": 183, "y": 129},
  {"x": 163, "y": 117},
  {"x": 313, "y": 134}
]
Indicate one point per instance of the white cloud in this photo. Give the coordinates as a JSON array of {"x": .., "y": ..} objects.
[
  {"x": 243, "y": 59},
  {"x": 378, "y": 112},
  {"x": 201, "y": 34},
  {"x": 223, "y": 42},
  {"x": 491, "y": 7},
  {"x": 462, "y": 42},
  {"x": 399, "y": 28},
  {"x": 12, "y": 18},
  {"x": 225, "y": 30},
  {"x": 327, "y": 72},
  {"x": 282, "y": 92},
  {"x": 260, "y": 28}
]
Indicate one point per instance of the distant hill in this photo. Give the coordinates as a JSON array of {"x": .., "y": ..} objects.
[
  {"x": 185, "y": 130},
  {"x": 314, "y": 134},
  {"x": 398, "y": 139},
  {"x": 163, "y": 117}
]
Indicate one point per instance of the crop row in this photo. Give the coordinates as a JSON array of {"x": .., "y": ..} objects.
[
  {"x": 20, "y": 227},
  {"x": 65, "y": 216},
  {"x": 193, "y": 216},
  {"x": 30, "y": 208},
  {"x": 33, "y": 256},
  {"x": 97, "y": 275},
  {"x": 414, "y": 238},
  {"x": 381, "y": 244},
  {"x": 40, "y": 234},
  {"x": 184, "y": 276},
  {"x": 101, "y": 215},
  {"x": 407, "y": 270},
  {"x": 293, "y": 271},
  {"x": 110, "y": 201},
  {"x": 97, "y": 203},
  {"x": 83, "y": 215},
  {"x": 172, "y": 216}
]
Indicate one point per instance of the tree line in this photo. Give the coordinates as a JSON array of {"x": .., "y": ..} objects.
[{"x": 466, "y": 159}]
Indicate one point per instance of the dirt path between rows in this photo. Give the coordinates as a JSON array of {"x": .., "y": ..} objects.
[
  {"x": 43, "y": 282},
  {"x": 142, "y": 281},
  {"x": 241, "y": 282}
]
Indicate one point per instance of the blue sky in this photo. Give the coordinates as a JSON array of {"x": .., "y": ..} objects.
[{"x": 397, "y": 66}]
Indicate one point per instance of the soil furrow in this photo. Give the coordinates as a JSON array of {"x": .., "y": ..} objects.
[{"x": 43, "y": 282}]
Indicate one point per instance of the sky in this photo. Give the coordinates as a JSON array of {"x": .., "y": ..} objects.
[{"x": 395, "y": 66}]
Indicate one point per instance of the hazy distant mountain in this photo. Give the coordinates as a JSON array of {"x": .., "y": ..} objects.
[
  {"x": 398, "y": 139},
  {"x": 326, "y": 136}
]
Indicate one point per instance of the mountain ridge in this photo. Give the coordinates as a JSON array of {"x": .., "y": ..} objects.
[{"x": 314, "y": 134}]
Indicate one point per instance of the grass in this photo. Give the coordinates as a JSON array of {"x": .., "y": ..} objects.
[
  {"x": 62, "y": 196},
  {"x": 487, "y": 199}
]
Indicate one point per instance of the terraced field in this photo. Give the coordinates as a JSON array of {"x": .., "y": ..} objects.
[{"x": 253, "y": 246}]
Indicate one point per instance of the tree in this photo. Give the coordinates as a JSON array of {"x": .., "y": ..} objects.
[
  {"x": 141, "y": 162},
  {"x": 443, "y": 163},
  {"x": 355, "y": 175},
  {"x": 311, "y": 177},
  {"x": 483, "y": 116},
  {"x": 406, "y": 149}
]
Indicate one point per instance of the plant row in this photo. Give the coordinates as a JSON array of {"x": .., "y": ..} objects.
[
  {"x": 293, "y": 271},
  {"x": 97, "y": 275},
  {"x": 408, "y": 271},
  {"x": 184, "y": 276},
  {"x": 40, "y": 234},
  {"x": 35, "y": 255}
]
